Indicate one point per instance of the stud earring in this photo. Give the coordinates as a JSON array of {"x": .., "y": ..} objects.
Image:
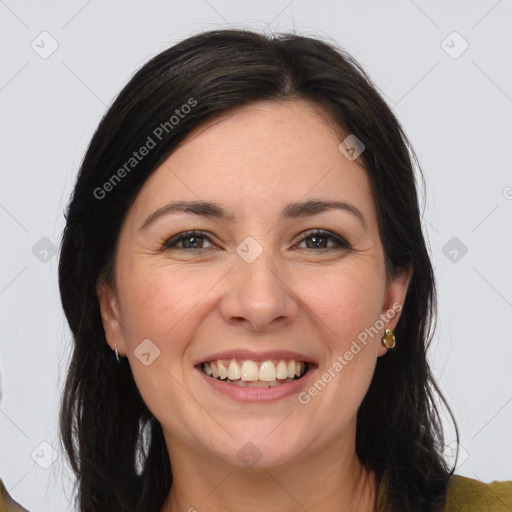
[{"x": 388, "y": 339}]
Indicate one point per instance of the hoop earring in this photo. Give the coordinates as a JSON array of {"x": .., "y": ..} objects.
[
  {"x": 117, "y": 353},
  {"x": 388, "y": 340}
]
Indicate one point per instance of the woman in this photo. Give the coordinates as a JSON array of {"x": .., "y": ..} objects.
[{"x": 246, "y": 279}]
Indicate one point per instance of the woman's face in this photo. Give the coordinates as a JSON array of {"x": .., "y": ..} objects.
[{"x": 258, "y": 290}]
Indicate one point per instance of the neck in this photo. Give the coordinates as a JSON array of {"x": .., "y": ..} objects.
[{"x": 319, "y": 481}]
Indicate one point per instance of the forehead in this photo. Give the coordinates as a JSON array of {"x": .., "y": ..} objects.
[{"x": 257, "y": 158}]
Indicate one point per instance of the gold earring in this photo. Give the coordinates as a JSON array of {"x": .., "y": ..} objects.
[
  {"x": 388, "y": 339},
  {"x": 117, "y": 353}
]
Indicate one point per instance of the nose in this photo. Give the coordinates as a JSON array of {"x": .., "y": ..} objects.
[{"x": 258, "y": 295}]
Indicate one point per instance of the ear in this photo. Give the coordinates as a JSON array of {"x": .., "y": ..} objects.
[
  {"x": 110, "y": 317},
  {"x": 396, "y": 292}
]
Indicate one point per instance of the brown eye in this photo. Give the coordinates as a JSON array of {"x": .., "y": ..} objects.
[
  {"x": 320, "y": 239},
  {"x": 189, "y": 240}
]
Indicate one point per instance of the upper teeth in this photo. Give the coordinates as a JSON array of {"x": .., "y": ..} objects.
[{"x": 249, "y": 371}]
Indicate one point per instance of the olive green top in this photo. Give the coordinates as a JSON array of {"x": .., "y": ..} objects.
[
  {"x": 464, "y": 495},
  {"x": 468, "y": 495}
]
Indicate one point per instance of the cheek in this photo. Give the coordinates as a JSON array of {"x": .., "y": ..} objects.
[
  {"x": 162, "y": 305},
  {"x": 346, "y": 301},
  {"x": 349, "y": 305},
  {"x": 158, "y": 300}
]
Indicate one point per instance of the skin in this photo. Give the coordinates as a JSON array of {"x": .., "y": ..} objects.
[{"x": 193, "y": 303}]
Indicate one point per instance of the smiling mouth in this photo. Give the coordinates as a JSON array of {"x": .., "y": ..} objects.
[{"x": 251, "y": 374}]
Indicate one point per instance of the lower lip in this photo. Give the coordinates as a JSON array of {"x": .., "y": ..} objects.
[{"x": 244, "y": 394}]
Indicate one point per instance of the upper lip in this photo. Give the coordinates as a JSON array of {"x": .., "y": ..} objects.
[{"x": 267, "y": 355}]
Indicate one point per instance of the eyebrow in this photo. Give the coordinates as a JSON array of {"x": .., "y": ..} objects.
[{"x": 291, "y": 211}]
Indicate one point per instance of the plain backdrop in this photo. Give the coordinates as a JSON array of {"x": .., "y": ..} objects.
[{"x": 445, "y": 69}]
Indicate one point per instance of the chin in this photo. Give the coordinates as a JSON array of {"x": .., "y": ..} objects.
[{"x": 259, "y": 449}]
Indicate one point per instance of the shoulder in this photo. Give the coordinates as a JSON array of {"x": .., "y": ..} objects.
[
  {"x": 469, "y": 495},
  {"x": 7, "y": 504}
]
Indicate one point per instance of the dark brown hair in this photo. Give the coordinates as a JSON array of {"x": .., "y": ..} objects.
[{"x": 399, "y": 433}]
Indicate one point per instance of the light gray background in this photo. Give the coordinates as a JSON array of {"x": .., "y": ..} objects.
[{"x": 456, "y": 111}]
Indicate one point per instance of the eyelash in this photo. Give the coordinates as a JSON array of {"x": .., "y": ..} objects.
[{"x": 171, "y": 242}]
